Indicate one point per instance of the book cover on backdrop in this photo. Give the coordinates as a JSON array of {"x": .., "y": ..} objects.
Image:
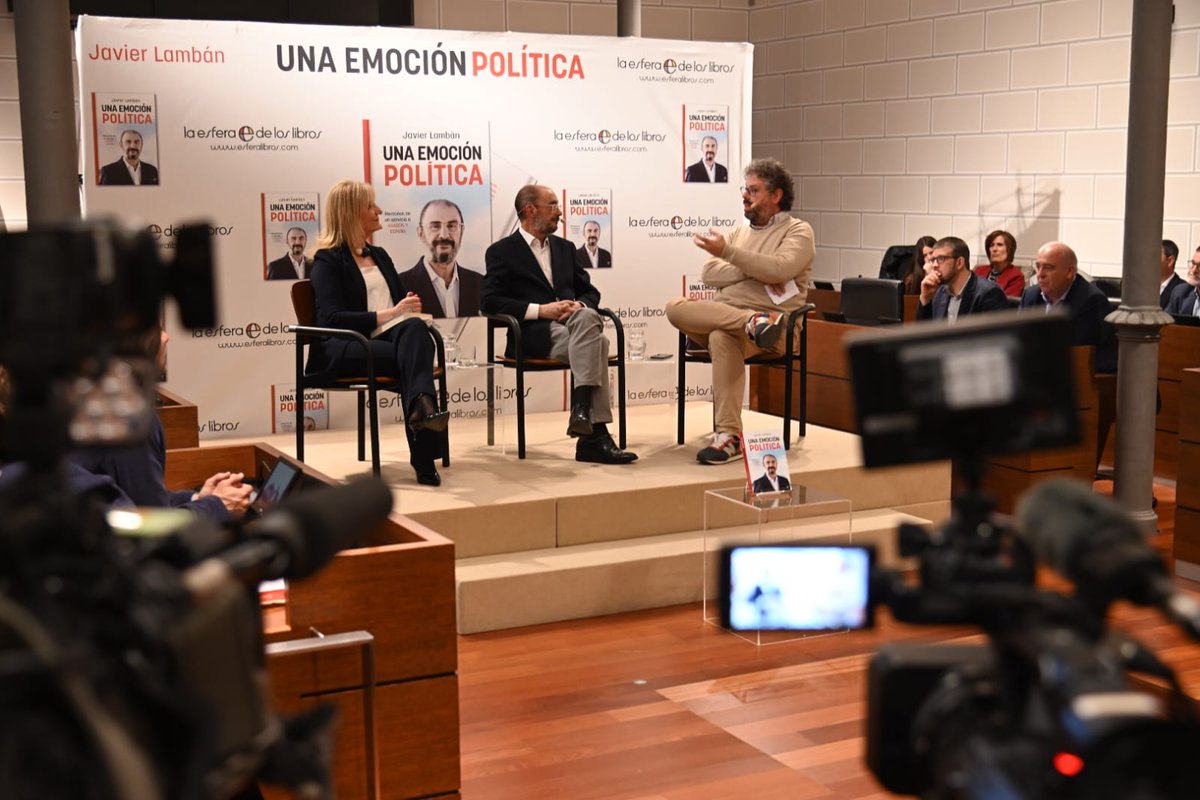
[
  {"x": 125, "y": 139},
  {"x": 291, "y": 222},
  {"x": 433, "y": 181},
  {"x": 283, "y": 409},
  {"x": 587, "y": 223},
  {"x": 694, "y": 288},
  {"x": 766, "y": 462},
  {"x": 705, "y": 139}
]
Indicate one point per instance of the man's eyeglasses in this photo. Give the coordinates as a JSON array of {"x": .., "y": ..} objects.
[
  {"x": 937, "y": 260},
  {"x": 752, "y": 190},
  {"x": 449, "y": 227}
]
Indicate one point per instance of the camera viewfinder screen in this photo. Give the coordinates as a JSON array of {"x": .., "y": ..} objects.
[{"x": 796, "y": 587}]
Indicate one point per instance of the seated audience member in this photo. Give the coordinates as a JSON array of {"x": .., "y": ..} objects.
[
  {"x": 1169, "y": 281},
  {"x": 951, "y": 290},
  {"x": 761, "y": 273},
  {"x": 1060, "y": 284},
  {"x": 1001, "y": 248},
  {"x": 916, "y": 271},
  {"x": 533, "y": 275},
  {"x": 138, "y": 471},
  {"x": 1185, "y": 298}
]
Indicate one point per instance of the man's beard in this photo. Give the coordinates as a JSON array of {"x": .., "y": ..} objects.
[{"x": 442, "y": 256}]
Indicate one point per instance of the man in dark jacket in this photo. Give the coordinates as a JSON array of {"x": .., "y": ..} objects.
[{"x": 951, "y": 289}]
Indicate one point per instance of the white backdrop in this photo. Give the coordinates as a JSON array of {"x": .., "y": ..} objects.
[{"x": 240, "y": 118}]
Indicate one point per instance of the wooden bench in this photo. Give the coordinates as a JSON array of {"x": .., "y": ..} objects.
[
  {"x": 399, "y": 586},
  {"x": 180, "y": 420},
  {"x": 1187, "y": 487}
]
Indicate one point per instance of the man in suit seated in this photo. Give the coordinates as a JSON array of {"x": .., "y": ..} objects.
[
  {"x": 1058, "y": 284},
  {"x": 590, "y": 256},
  {"x": 707, "y": 170},
  {"x": 1169, "y": 280},
  {"x": 533, "y": 276},
  {"x": 951, "y": 289},
  {"x": 446, "y": 288},
  {"x": 293, "y": 264},
  {"x": 129, "y": 170},
  {"x": 1185, "y": 298},
  {"x": 770, "y": 480}
]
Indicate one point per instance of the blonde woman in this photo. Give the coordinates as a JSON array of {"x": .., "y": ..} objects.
[{"x": 357, "y": 288}]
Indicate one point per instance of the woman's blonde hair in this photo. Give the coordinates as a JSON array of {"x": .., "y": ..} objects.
[{"x": 344, "y": 205}]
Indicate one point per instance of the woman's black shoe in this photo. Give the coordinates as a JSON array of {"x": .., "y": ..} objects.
[
  {"x": 427, "y": 474},
  {"x": 425, "y": 416}
]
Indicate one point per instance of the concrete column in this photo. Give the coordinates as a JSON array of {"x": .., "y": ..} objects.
[
  {"x": 629, "y": 17},
  {"x": 1139, "y": 318},
  {"x": 48, "y": 129}
]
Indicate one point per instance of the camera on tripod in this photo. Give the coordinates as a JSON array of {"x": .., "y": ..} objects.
[
  {"x": 1045, "y": 708},
  {"x": 132, "y": 668}
]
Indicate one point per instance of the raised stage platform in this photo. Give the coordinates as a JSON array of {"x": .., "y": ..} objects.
[{"x": 548, "y": 538}]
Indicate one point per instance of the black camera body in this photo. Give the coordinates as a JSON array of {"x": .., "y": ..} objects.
[
  {"x": 132, "y": 667},
  {"x": 1044, "y": 707}
]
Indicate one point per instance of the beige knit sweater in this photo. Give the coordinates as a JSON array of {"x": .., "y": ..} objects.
[{"x": 754, "y": 258}]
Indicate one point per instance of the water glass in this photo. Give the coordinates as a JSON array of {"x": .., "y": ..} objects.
[
  {"x": 466, "y": 355},
  {"x": 451, "y": 353},
  {"x": 636, "y": 346}
]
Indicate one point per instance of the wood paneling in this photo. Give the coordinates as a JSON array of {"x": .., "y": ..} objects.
[{"x": 180, "y": 420}]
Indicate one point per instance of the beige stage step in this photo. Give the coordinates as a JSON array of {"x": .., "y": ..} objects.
[{"x": 588, "y": 580}]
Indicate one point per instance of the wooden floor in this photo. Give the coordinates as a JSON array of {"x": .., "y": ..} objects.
[{"x": 659, "y": 705}]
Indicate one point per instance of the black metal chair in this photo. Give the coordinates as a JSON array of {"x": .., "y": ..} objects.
[
  {"x": 794, "y": 354},
  {"x": 366, "y": 387},
  {"x": 522, "y": 364},
  {"x": 872, "y": 301}
]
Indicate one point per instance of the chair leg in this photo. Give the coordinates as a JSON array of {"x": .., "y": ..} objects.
[
  {"x": 621, "y": 399},
  {"x": 802, "y": 425},
  {"x": 520, "y": 413},
  {"x": 362, "y": 439},
  {"x": 787, "y": 405},
  {"x": 491, "y": 408},
  {"x": 374, "y": 410},
  {"x": 445, "y": 406},
  {"x": 681, "y": 388},
  {"x": 299, "y": 427}
]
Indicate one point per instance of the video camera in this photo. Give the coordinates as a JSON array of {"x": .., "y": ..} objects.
[
  {"x": 132, "y": 668},
  {"x": 1045, "y": 708}
]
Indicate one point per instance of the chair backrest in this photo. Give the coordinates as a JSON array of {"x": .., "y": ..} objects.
[
  {"x": 895, "y": 262},
  {"x": 304, "y": 302},
  {"x": 872, "y": 301},
  {"x": 1110, "y": 286}
]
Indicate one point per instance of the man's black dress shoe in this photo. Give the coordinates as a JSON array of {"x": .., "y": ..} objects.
[
  {"x": 425, "y": 416},
  {"x": 602, "y": 450},
  {"x": 427, "y": 474},
  {"x": 580, "y": 423}
]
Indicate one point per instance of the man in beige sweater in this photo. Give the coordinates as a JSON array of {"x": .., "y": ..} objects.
[{"x": 761, "y": 272}]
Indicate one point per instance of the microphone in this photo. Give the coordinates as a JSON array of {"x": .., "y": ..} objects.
[
  {"x": 1091, "y": 540},
  {"x": 297, "y": 538}
]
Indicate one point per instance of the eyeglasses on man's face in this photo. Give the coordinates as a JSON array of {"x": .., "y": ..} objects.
[
  {"x": 753, "y": 191},
  {"x": 937, "y": 260},
  {"x": 449, "y": 227}
]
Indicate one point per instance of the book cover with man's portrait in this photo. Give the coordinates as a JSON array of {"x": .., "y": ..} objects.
[{"x": 125, "y": 139}]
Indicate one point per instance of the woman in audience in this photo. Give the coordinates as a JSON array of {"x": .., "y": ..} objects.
[
  {"x": 357, "y": 288},
  {"x": 915, "y": 273},
  {"x": 1001, "y": 247}
]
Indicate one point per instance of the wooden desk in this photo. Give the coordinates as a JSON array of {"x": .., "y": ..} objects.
[
  {"x": 399, "y": 587},
  {"x": 831, "y": 300},
  {"x": 1187, "y": 487},
  {"x": 180, "y": 420}
]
